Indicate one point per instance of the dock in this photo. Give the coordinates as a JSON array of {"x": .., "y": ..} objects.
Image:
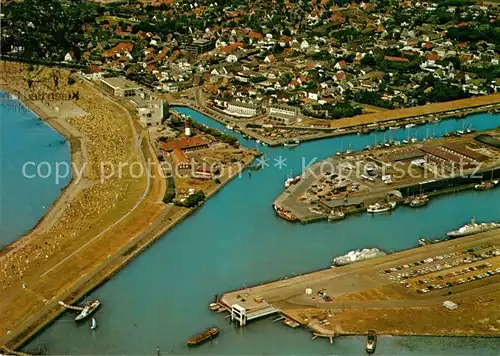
[
  {"x": 352, "y": 182},
  {"x": 397, "y": 294}
]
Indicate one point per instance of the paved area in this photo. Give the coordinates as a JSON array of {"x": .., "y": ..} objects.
[{"x": 365, "y": 288}]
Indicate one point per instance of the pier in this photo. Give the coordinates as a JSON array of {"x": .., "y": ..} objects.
[
  {"x": 71, "y": 307},
  {"x": 397, "y": 294}
]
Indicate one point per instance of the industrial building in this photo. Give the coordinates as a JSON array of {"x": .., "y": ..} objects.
[{"x": 200, "y": 46}]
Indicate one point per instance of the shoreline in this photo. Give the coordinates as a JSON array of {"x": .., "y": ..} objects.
[
  {"x": 72, "y": 185},
  {"x": 124, "y": 255}
]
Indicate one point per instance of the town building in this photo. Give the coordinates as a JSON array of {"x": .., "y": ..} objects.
[
  {"x": 284, "y": 113},
  {"x": 238, "y": 108},
  {"x": 200, "y": 46},
  {"x": 120, "y": 87},
  {"x": 150, "y": 111}
]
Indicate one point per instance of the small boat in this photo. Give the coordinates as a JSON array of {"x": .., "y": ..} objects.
[
  {"x": 208, "y": 334},
  {"x": 410, "y": 125},
  {"x": 485, "y": 185},
  {"x": 88, "y": 309},
  {"x": 293, "y": 143},
  {"x": 336, "y": 216},
  {"x": 94, "y": 324},
  {"x": 394, "y": 127},
  {"x": 381, "y": 207},
  {"x": 284, "y": 214},
  {"x": 419, "y": 201},
  {"x": 371, "y": 341},
  {"x": 213, "y": 306}
]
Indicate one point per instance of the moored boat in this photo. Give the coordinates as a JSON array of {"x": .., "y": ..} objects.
[
  {"x": 473, "y": 228},
  {"x": 486, "y": 185},
  {"x": 419, "y": 201},
  {"x": 378, "y": 208},
  {"x": 336, "y": 215},
  {"x": 205, "y": 335},
  {"x": 292, "y": 143},
  {"x": 284, "y": 213},
  {"x": 371, "y": 341},
  {"x": 88, "y": 309},
  {"x": 357, "y": 255}
]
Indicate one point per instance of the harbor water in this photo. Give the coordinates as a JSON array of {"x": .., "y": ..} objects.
[
  {"x": 234, "y": 240},
  {"x": 26, "y": 196}
]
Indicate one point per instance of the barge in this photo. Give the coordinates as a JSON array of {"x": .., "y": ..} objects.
[{"x": 200, "y": 338}]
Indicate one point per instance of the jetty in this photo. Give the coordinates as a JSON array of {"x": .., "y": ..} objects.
[
  {"x": 71, "y": 307},
  {"x": 397, "y": 294}
]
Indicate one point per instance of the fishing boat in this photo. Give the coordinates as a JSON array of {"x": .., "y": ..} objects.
[
  {"x": 378, "y": 208},
  {"x": 292, "y": 143},
  {"x": 336, "y": 215},
  {"x": 208, "y": 334},
  {"x": 93, "y": 326},
  {"x": 418, "y": 201},
  {"x": 371, "y": 341},
  {"x": 88, "y": 309},
  {"x": 284, "y": 213}
]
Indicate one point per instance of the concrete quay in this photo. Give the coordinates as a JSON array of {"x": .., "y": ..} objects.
[
  {"x": 351, "y": 182},
  {"x": 393, "y": 294}
]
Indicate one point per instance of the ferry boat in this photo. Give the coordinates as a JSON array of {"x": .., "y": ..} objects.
[
  {"x": 381, "y": 207},
  {"x": 293, "y": 143},
  {"x": 208, "y": 334},
  {"x": 371, "y": 341},
  {"x": 419, "y": 201},
  {"x": 357, "y": 255},
  {"x": 284, "y": 214},
  {"x": 88, "y": 309},
  {"x": 473, "y": 228}
]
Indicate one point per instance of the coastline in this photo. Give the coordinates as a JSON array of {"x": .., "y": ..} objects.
[
  {"x": 115, "y": 263},
  {"x": 77, "y": 148}
]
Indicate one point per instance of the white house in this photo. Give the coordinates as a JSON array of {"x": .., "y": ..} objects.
[
  {"x": 231, "y": 58},
  {"x": 68, "y": 57},
  {"x": 237, "y": 108}
]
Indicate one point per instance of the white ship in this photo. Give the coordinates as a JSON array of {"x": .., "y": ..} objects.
[
  {"x": 473, "y": 228},
  {"x": 357, "y": 255},
  {"x": 381, "y": 207},
  {"x": 292, "y": 143},
  {"x": 88, "y": 309}
]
